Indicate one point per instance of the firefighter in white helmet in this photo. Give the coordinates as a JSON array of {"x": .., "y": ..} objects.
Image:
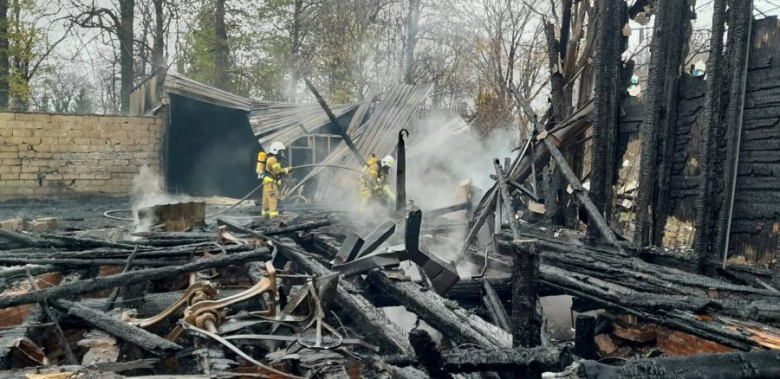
[
  {"x": 272, "y": 179},
  {"x": 374, "y": 187}
]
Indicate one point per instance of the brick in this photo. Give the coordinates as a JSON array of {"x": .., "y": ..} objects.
[
  {"x": 54, "y": 176},
  {"x": 30, "y": 169},
  {"x": 70, "y": 176},
  {"x": 7, "y": 116},
  {"x": 8, "y": 148},
  {"x": 635, "y": 332},
  {"x": 10, "y": 176},
  {"x": 605, "y": 344},
  {"x": 86, "y": 176},
  {"x": 28, "y": 176},
  {"x": 22, "y": 133},
  {"x": 12, "y": 162},
  {"x": 9, "y": 155}
]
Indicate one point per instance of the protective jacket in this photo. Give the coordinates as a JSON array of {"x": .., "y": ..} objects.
[
  {"x": 273, "y": 177},
  {"x": 373, "y": 183}
]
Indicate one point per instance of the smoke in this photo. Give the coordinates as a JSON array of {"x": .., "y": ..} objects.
[
  {"x": 435, "y": 169},
  {"x": 149, "y": 190}
]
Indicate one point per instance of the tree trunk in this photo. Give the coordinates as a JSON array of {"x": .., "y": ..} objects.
[
  {"x": 221, "y": 49},
  {"x": 4, "y": 63},
  {"x": 411, "y": 40},
  {"x": 125, "y": 32},
  {"x": 295, "y": 50},
  {"x": 158, "y": 58}
]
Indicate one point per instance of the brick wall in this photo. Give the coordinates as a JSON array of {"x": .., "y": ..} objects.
[
  {"x": 679, "y": 343},
  {"x": 46, "y": 155}
]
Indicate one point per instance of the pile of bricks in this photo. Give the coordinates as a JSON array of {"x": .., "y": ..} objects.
[
  {"x": 629, "y": 334},
  {"x": 48, "y": 155}
]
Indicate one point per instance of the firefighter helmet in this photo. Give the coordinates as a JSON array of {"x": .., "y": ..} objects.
[
  {"x": 276, "y": 147},
  {"x": 388, "y": 161}
]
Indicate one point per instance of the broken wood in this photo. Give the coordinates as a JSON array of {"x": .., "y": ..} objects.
[
  {"x": 53, "y": 318},
  {"x": 371, "y": 321},
  {"x": 574, "y": 182},
  {"x": 96, "y": 284},
  {"x": 143, "y": 339},
  {"x": 526, "y": 322},
  {"x": 507, "y": 203},
  {"x": 469, "y": 359},
  {"x": 495, "y": 307},
  {"x": 428, "y": 354},
  {"x": 752, "y": 365},
  {"x": 453, "y": 321}
]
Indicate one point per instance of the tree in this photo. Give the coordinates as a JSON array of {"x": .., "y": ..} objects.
[
  {"x": 4, "y": 59},
  {"x": 118, "y": 23},
  {"x": 29, "y": 26}
]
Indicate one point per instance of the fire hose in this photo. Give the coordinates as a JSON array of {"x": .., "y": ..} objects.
[{"x": 109, "y": 214}]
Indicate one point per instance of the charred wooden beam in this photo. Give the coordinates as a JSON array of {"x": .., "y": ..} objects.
[
  {"x": 141, "y": 338},
  {"x": 428, "y": 354},
  {"x": 115, "y": 292},
  {"x": 341, "y": 131},
  {"x": 607, "y": 95},
  {"x": 526, "y": 322},
  {"x": 739, "y": 46},
  {"x": 752, "y": 365},
  {"x": 101, "y": 283},
  {"x": 400, "y": 173},
  {"x": 584, "y": 337},
  {"x": 507, "y": 198},
  {"x": 666, "y": 59},
  {"x": 574, "y": 182},
  {"x": 681, "y": 29},
  {"x": 464, "y": 360},
  {"x": 495, "y": 307},
  {"x": 703, "y": 241},
  {"x": 369, "y": 319},
  {"x": 53, "y": 318},
  {"x": 452, "y": 321}
]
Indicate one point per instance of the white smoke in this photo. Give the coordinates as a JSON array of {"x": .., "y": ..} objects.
[
  {"x": 149, "y": 190},
  {"x": 435, "y": 171}
]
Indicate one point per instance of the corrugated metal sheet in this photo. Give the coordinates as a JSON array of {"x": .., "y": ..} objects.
[
  {"x": 287, "y": 122},
  {"x": 183, "y": 86},
  {"x": 379, "y": 135},
  {"x": 147, "y": 96}
]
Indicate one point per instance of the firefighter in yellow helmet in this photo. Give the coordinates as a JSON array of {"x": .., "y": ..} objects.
[
  {"x": 374, "y": 187},
  {"x": 272, "y": 178}
]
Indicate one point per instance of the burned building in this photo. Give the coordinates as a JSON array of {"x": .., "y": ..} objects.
[{"x": 655, "y": 216}]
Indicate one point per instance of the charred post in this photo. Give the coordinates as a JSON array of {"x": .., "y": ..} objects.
[
  {"x": 526, "y": 322},
  {"x": 739, "y": 44},
  {"x": 428, "y": 354},
  {"x": 705, "y": 197},
  {"x": 400, "y": 173},
  {"x": 584, "y": 337},
  {"x": 665, "y": 62}
]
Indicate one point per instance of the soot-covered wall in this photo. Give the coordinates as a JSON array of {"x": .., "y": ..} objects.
[{"x": 211, "y": 150}]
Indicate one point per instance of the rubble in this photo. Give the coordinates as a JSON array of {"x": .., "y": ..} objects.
[{"x": 316, "y": 293}]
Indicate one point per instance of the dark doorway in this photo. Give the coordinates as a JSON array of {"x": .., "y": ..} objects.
[{"x": 211, "y": 150}]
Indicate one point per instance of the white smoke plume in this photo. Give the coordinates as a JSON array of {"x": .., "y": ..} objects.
[{"x": 149, "y": 190}]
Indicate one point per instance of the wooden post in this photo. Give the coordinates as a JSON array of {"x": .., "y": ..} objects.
[
  {"x": 584, "y": 337},
  {"x": 526, "y": 322}
]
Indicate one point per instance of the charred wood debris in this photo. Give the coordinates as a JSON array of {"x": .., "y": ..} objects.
[{"x": 306, "y": 297}]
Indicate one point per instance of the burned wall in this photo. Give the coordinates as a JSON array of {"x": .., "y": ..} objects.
[
  {"x": 755, "y": 224},
  {"x": 48, "y": 155}
]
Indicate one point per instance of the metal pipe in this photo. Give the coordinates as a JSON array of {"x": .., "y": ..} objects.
[{"x": 749, "y": 44}]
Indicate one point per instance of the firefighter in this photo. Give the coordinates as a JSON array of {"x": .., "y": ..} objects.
[
  {"x": 272, "y": 178},
  {"x": 374, "y": 187}
]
